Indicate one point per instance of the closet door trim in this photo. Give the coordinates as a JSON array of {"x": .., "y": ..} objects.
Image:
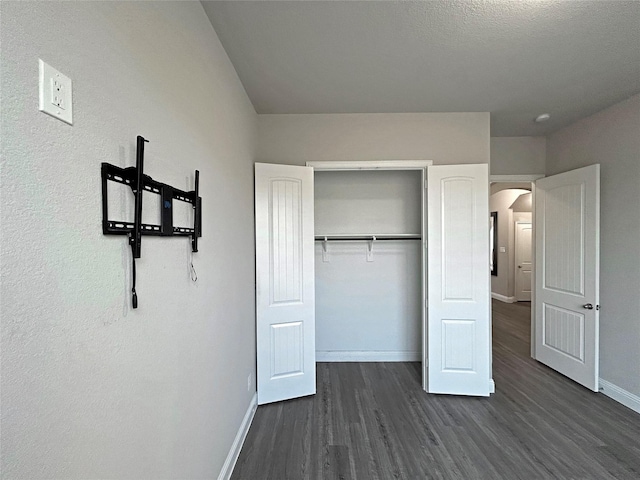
[
  {"x": 397, "y": 165},
  {"x": 370, "y": 165}
]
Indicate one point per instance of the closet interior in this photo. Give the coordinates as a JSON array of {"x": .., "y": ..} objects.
[{"x": 369, "y": 265}]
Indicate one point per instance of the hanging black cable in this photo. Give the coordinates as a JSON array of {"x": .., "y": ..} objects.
[
  {"x": 134, "y": 295},
  {"x": 194, "y": 274}
]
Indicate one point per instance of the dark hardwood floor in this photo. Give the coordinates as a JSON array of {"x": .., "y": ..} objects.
[{"x": 373, "y": 421}]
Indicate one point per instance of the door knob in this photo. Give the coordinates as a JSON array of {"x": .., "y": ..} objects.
[
  {"x": 588, "y": 306},
  {"x": 519, "y": 266}
]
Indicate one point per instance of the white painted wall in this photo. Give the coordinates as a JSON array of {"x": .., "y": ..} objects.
[
  {"x": 353, "y": 202},
  {"x": 497, "y": 186},
  {"x": 517, "y": 155},
  {"x": 445, "y": 138},
  {"x": 368, "y": 309},
  {"x": 504, "y": 283},
  {"x": 612, "y": 139},
  {"x": 524, "y": 203},
  {"x": 91, "y": 388}
]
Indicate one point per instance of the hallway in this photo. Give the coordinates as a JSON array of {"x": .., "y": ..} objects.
[{"x": 373, "y": 421}]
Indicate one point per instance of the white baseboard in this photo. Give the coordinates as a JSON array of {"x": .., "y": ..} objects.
[
  {"x": 492, "y": 386},
  {"x": 620, "y": 395},
  {"x": 502, "y": 298},
  {"x": 366, "y": 356},
  {"x": 234, "y": 452}
]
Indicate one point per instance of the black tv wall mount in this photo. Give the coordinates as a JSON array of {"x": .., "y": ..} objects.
[{"x": 135, "y": 178}]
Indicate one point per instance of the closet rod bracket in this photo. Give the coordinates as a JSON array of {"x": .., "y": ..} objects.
[
  {"x": 370, "y": 249},
  {"x": 325, "y": 257}
]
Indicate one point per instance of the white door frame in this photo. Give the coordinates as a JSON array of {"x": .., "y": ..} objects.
[
  {"x": 527, "y": 178},
  {"x": 398, "y": 165}
]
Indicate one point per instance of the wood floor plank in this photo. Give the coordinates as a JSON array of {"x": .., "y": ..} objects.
[
  {"x": 372, "y": 421},
  {"x": 363, "y": 462},
  {"x": 337, "y": 466}
]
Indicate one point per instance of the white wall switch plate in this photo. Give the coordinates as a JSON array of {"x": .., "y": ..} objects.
[
  {"x": 503, "y": 249},
  {"x": 55, "y": 93}
]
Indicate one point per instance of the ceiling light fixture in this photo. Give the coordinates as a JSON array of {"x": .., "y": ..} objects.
[{"x": 542, "y": 118}]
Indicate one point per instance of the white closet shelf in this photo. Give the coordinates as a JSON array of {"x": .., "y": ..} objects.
[{"x": 369, "y": 236}]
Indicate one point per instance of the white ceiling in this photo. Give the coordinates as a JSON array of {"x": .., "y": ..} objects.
[{"x": 513, "y": 58}]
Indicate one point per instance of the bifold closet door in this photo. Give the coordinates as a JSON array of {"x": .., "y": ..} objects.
[
  {"x": 285, "y": 288},
  {"x": 459, "y": 324}
]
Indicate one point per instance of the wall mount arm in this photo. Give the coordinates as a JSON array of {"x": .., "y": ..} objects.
[{"x": 135, "y": 178}]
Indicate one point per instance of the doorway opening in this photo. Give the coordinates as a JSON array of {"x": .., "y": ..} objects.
[
  {"x": 455, "y": 336},
  {"x": 511, "y": 207},
  {"x": 565, "y": 293},
  {"x": 370, "y": 262},
  {"x": 517, "y": 191},
  {"x": 368, "y": 257}
]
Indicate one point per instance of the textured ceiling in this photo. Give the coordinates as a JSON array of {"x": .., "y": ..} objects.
[{"x": 513, "y": 58}]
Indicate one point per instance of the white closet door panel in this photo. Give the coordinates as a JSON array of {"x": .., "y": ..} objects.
[
  {"x": 459, "y": 325},
  {"x": 285, "y": 291}
]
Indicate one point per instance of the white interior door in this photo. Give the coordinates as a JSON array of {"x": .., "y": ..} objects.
[
  {"x": 567, "y": 223},
  {"x": 285, "y": 292},
  {"x": 523, "y": 256},
  {"x": 459, "y": 323}
]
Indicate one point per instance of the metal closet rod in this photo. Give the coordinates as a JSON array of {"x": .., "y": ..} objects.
[{"x": 397, "y": 236}]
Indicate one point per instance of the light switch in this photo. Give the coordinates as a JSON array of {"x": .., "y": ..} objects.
[
  {"x": 55, "y": 93},
  {"x": 503, "y": 249}
]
